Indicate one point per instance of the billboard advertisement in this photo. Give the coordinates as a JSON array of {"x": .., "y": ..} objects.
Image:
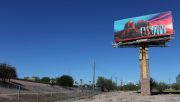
[{"x": 143, "y": 27}]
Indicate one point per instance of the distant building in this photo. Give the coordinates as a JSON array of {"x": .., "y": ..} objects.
[{"x": 178, "y": 79}]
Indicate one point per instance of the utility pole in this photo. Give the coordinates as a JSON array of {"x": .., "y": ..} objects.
[
  {"x": 116, "y": 81},
  {"x": 121, "y": 84},
  {"x": 169, "y": 81},
  {"x": 94, "y": 66}
]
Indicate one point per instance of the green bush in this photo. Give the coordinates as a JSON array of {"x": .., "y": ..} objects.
[
  {"x": 175, "y": 86},
  {"x": 153, "y": 84},
  {"x": 130, "y": 87},
  {"x": 45, "y": 80},
  {"x": 7, "y": 72},
  {"x": 105, "y": 84},
  {"x": 65, "y": 80},
  {"x": 161, "y": 86}
]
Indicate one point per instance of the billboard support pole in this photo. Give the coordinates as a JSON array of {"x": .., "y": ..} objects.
[{"x": 144, "y": 64}]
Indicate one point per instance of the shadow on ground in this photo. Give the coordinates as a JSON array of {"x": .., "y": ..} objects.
[{"x": 159, "y": 93}]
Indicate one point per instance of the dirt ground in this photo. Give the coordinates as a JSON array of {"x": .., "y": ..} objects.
[{"x": 131, "y": 97}]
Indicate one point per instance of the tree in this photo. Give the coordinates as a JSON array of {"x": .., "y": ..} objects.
[
  {"x": 26, "y": 78},
  {"x": 101, "y": 83},
  {"x": 110, "y": 85},
  {"x": 130, "y": 87},
  {"x": 161, "y": 86},
  {"x": 12, "y": 73},
  {"x": 7, "y": 72},
  {"x": 105, "y": 84},
  {"x": 65, "y": 80},
  {"x": 36, "y": 79},
  {"x": 175, "y": 86},
  {"x": 153, "y": 84},
  {"x": 45, "y": 80}
]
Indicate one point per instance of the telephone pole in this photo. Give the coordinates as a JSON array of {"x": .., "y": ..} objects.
[
  {"x": 94, "y": 66},
  {"x": 116, "y": 81},
  {"x": 121, "y": 84}
]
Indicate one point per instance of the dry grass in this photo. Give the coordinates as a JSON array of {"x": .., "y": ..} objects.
[
  {"x": 34, "y": 97},
  {"x": 38, "y": 92},
  {"x": 132, "y": 97}
]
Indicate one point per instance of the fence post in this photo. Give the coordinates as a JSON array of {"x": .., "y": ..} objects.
[
  {"x": 37, "y": 97},
  {"x": 60, "y": 95},
  {"x": 52, "y": 96},
  {"x": 19, "y": 88}
]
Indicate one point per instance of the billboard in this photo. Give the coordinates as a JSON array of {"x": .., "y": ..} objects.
[{"x": 144, "y": 27}]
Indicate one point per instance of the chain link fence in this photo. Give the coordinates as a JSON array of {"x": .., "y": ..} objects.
[{"x": 57, "y": 96}]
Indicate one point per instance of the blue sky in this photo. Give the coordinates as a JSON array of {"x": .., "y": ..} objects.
[{"x": 56, "y": 37}]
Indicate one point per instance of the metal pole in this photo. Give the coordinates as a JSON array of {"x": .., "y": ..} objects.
[
  {"x": 19, "y": 88},
  {"x": 116, "y": 81},
  {"x": 94, "y": 66},
  {"x": 37, "y": 96},
  {"x": 51, "y": 95},
  {"x": 121, "y": 84}
]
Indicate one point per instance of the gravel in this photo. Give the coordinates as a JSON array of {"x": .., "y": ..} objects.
[{"x": 132, "y": 97}]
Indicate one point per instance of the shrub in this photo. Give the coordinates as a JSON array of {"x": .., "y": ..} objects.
[
  {"x": 175, "y": 86},
  {"x": 130, "y": 87},
  {"x": 7, "y": 72},
  {"x": 105, "y": 84},
  {"x": 161, "y": 86},
  {"x": 65, "y": 80},
  {"x": 153, "y": 84},
  {"x": 45, "y": 80}
]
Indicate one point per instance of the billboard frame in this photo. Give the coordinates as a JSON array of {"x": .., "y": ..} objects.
[{"x": 156, "y": 40}]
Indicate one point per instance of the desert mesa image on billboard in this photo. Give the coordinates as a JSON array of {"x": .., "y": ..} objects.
[{"x": 148, "y": 26}]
